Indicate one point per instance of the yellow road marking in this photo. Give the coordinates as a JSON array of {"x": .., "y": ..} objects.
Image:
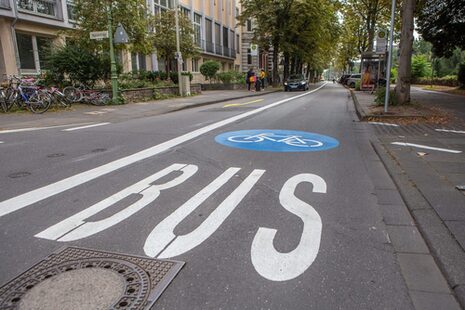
[{"x": 239, "y": 104}]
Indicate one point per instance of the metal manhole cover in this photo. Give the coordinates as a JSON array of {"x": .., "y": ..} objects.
[{"x": 75, "y": 277}]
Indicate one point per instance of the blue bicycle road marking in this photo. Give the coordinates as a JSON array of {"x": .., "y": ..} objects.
[{"x": 276, "y": 140}]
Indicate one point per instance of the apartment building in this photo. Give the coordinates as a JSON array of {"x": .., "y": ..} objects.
[{"x": 26, "y": 26}]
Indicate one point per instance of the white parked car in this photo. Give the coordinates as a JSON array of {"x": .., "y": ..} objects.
[{"x": 353, "y": 78}]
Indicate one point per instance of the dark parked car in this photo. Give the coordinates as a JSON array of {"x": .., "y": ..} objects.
[
  {"x": 296, "y": 82},
  {"x": 343, "y": 78}
]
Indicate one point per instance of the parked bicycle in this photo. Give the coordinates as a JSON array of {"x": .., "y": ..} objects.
[
  {"x": 84, "y": 94},
  {"x": 24, "y": 93}
]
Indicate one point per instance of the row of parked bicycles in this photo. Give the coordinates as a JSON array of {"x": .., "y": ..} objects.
[{"x": 26, "y": 93}]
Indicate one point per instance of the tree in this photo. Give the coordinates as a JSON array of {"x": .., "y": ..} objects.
[
  {"x": 92, "y": 16},
  {"x": 208, "y": 69},
  {"x": 404, "y": 73},
  {"x": 164, "y": 37},
  {"x": 420, "y": 66},
  {"x": 461, "y": 75},
  {"x": 442, "y": 22}
]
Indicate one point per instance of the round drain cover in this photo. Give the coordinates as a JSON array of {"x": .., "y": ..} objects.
[{"x": 92, "y": 288}]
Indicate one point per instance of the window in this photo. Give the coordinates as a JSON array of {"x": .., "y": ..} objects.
[
  {"x": 208, "y": 36},
  {"x": 225, "y": 37},
  {"x": 249, "y": 25},
  {"x": 45, "y": 7},
  {"x": 249, "y": 56},
  {"x": 197, "y": 29},
  {"x": 186, "y": 12},
  {"x": 26, "y": 51},
  {"x": 195, "y": 65},
  {"x": 138, "y": 62},
  {"x": 70, "y": 6},
  {"x": 161, "y": 6},
  {"x": 31, "y": 50},
  {"x": 238, "y": 45}
]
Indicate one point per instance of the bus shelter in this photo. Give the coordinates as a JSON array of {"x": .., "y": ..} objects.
[{"x": 373, "y": 70}]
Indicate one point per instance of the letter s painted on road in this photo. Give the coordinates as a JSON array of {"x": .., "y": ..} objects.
[{"x": 276, "y": 266}]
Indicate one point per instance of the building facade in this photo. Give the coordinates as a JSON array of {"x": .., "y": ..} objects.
[{"x": 27, "y": 26}]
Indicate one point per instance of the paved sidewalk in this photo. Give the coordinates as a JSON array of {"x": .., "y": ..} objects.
[
  {"x": 83, "y": 113},
  {"x": 427, "y": 163}
]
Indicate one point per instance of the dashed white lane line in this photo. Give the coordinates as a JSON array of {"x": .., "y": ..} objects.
[
  {"x": 31, "y": 197},
  {"x": 448, "y": 130},
  {"x": 383, "y": 124},
  {"x": 84, "y": 127},
  {"x": 39, "y": 128},
  {"x": 427, "y": 147},
  {"x": 1, "y": 142}
]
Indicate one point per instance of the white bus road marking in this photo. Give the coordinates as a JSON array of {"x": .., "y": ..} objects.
[
  {"x": 277, "y": 266},
  {"x": 449, "y": 130},
  {"x": 179, "y": 245},
  {"x": 427, "y": 147},
  {"x": 240, "y": 104},
  {"x": 383, "y": 124},
  {"x": 31, "y": 197},
  {"x": 39, "y": 128},
  {"x": 84, "y": 127}
]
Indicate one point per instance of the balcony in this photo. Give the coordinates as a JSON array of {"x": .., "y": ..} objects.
[
  {"x": 39, "y": 7},
  {"x": 5, "y": 4}
]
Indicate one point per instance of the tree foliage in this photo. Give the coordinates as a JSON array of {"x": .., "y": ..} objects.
[
  {"x": 208, "y": 69},
  {"x": 442, "y": 22},
  {"x": 421, "y": 67},
  {"x": 304, "y": 31},
  {"x": 92, "y": 15},
  {"x": 164, "y": 37}
]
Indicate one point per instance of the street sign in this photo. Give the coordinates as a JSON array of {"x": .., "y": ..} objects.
[
  {"x": 121, "y": 36},
  {"x": 254, "y": 49},
  {"x": 99, "y": 35},
  {"x": 381, "y": 41},
  {"x": 273, "y": 140}
]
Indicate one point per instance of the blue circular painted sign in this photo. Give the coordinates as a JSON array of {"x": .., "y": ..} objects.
[{"x": 275, "y": 140}]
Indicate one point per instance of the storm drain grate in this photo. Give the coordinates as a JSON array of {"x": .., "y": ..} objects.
[{"x": 138, "y": 281}]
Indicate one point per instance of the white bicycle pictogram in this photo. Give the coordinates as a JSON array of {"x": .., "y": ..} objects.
[{"x": 292, "y": 140}]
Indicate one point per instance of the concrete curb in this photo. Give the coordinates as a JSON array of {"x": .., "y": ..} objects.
[
  {"x": 443, "y": 246},
  {"x": 362, "y": 116}
]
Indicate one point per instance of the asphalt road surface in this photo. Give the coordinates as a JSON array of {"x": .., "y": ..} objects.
[{"x": 280, "y": 221}]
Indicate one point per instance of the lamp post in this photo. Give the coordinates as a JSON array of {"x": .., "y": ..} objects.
[
  {"x": 178, "y": 47},
  {"x": 389, "y": 64},
  {"x": 114, "y": 74}
]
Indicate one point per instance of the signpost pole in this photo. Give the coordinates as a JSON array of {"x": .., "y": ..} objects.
[
  {"x": 114, "y": 74},
  {"x": 389, "y": 64},
  {"x": 178, "y": 48}
]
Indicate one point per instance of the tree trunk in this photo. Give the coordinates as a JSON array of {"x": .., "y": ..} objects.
[
  {"x": 286, "y": 65},
  {"x": 405, "y": 59},
  {"x": 275, "y": 78}
]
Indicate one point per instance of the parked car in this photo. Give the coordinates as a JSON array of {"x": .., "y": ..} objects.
[
  {"x": 296, "y": 82},
  {"x": 353, "y": 78},
  {"x": 343, "y": 78}
]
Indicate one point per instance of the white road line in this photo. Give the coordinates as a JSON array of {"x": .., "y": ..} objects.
[
  {"x": 38, "y": 128},
  {"x": 383, "y": 124},
  {"x": 29, "y": 198},
  {"x": 427, "y": 147},
  {"x": 84, "y": 127},
  {"x": 1, "y": 142},
  {"x": 447, "y": 130}
]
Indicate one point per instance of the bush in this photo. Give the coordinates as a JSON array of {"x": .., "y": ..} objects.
[
  {"x": 461, "y": 75},
  {"x": 79, "y": 64},
  {"x": 448, "y": 80},
  {"x": 225, "y": 77},
  {"x": 208, "y": 69},
  {"x": 357, "y": 85},
  {"x": 380, "y": 96},
  {"x": 420, "y": 66}
]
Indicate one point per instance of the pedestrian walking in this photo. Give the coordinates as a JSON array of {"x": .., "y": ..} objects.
[
  {"x": 262, "y": 78},
  {"x": 249, "y": 79}
]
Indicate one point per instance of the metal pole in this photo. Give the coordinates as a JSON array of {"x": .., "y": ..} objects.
[
  {"x": 114, "y": 74},
  {"x": 389, "y": 64},
  {"x": 178, "y": 48}
]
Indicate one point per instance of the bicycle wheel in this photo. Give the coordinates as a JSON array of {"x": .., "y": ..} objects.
[
  {"x": 101, "y": 99},
  {"x": 11, "y": 96},
  {"x": 39, "y": 102},
  {"x": 3, "y": 101},
  {"x": 72, "y": 94},
  {"x": 60, "y": 100}
]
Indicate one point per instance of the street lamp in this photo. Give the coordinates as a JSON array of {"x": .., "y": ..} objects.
[
  {"x": 114, "y": 74},
  {"x": 389, "y": 64}
]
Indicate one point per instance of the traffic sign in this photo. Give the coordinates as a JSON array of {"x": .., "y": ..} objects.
[
  {"x": 253, "y": 49},
  {"x": 274, "y": 140},
  {"x": 121, "y": 36},
  {"x": 99, "y": 35}
]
